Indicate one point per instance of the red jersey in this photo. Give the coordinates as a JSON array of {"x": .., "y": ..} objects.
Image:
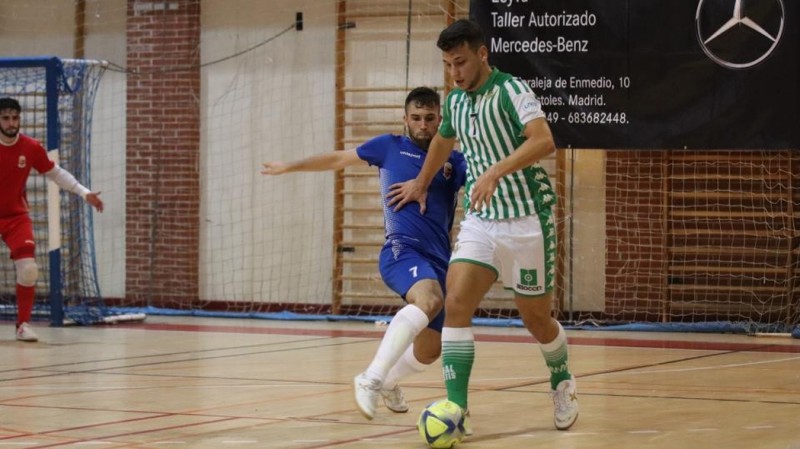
[{"x": 16, "y": 162}]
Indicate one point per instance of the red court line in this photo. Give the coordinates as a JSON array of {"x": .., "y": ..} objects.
[
  {"x": 153, "y": 415},
  {"x": 73, "y": 442},
  {"x": 586, "y": 341},
  {"x": 363, "y": 438}
]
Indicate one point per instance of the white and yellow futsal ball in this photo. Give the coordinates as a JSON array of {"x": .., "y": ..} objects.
[{"x": 441, "y": 424}]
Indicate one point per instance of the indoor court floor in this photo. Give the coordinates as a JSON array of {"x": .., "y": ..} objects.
[{"x": 180, "y": 382}]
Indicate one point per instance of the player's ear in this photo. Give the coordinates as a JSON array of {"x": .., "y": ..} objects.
[{"x": 483, "y": 53}]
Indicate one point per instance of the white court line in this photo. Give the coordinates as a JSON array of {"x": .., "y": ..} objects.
[
  {"x": 576, "y": 434},
  {"x": 484, "y": 379},
  {"x": 758, "y": 427},
  {"x": 92, "y": 443},
  {"x": 622, "y": 373},
  {"x": 625, "y": 373},
  {"x": 160, "y": 387},
  {"x": 699, "y": 368}
]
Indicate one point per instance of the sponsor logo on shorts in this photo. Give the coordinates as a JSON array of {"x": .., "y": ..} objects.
[
  {"x": 529, "y": 288},
  {"x": 529, "y": 280},
  {"x": 397, "y": 247}
]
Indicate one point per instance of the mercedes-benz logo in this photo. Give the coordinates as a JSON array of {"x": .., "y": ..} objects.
[{"x": 738, "y": 35}]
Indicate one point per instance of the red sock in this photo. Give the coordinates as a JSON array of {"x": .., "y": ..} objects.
[{"x": 24, "y": 303}]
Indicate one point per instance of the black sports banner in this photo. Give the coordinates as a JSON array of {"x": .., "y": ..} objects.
[{"x": 654, "y": 74}]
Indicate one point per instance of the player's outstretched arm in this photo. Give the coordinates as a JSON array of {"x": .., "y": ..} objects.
[
  {"x": 66, "y": 181},
  {"x": 333, "y": 160}
]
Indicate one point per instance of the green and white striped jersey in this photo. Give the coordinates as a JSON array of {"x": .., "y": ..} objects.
[{"x": 489, "y": 123}]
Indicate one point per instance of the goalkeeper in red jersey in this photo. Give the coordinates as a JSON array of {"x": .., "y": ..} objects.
[{"x": 18, "y": 154}]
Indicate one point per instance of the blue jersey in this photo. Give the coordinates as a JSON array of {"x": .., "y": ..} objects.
[{"x": 400, "y": 159}]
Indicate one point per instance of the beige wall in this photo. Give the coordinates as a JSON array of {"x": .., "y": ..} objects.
[{"x": 585, "y": 203}]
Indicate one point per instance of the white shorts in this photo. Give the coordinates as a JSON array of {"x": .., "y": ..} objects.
[{"x": 522, "y": 251}]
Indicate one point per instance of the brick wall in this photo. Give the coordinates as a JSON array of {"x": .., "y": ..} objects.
[{"x": 163, "y": 145}]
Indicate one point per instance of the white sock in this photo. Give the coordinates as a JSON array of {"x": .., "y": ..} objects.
[
  {"x": 557, "y": 343},
  {"x": 405, "y": 326},
  {"x": 407, "y": 365},
  {"x": 457, "y": 334}
]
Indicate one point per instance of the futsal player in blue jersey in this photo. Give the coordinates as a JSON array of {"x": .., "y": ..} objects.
[{"x": 413, "y": 261}]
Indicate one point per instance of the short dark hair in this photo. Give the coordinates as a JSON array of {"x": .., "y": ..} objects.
[
  {"x": 423, "y": 97},
  {"x": 459, "y": 32},
  {"x": 10, "y": 103}
]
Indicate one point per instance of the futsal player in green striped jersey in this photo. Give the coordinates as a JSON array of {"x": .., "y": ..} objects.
[{"x": 508, "y": 231}]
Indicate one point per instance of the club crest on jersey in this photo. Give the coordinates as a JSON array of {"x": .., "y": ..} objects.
[
  {"x": 447, "y": 171},
  {"x": 22, "y": 162}
]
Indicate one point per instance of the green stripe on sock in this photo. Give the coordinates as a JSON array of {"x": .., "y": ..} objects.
[
  {"x": 457, "y": 360},
  {"x": 557, "y": 363}
]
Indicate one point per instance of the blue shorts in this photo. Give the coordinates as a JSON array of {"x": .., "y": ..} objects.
[{"x": 402, "y": 266}]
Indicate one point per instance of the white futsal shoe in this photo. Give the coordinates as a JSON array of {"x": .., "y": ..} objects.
[
  {"x": 366, "y": 392},
  {"x": 25, "y": 333},
  {"x": 565, "y": 400},
  {"x": 394, "y": 399}
]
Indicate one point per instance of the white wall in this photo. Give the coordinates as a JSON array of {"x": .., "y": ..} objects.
[
  {"x": 36, "y": 27},
  {"x": 266, "y": 239},
  {"x": 270, "y": 239}
]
